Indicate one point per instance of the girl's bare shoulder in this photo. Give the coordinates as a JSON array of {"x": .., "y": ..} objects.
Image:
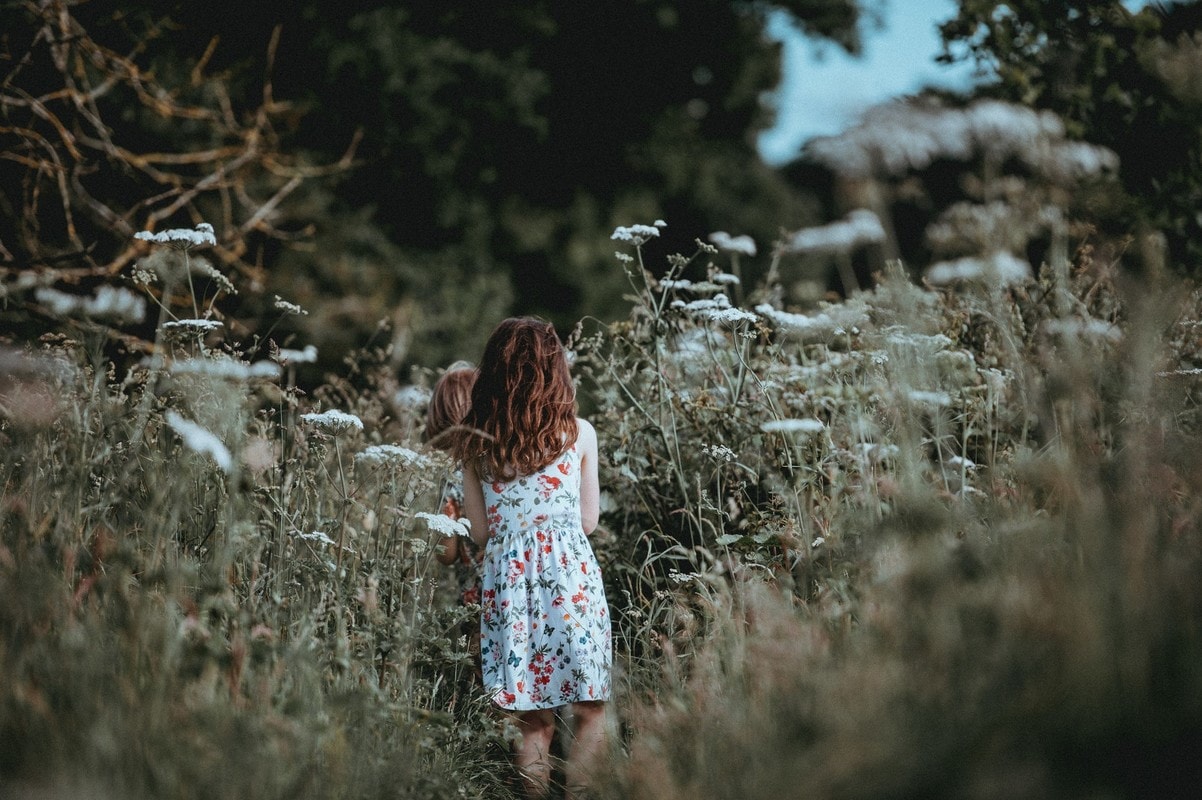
[{"x": 586, "y": 434}]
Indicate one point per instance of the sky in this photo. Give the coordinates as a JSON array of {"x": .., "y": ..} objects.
[{"x": 823, "y": 90}]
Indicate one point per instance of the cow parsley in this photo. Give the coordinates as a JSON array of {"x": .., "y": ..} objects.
[
  {"x": 635, "y": 234},
  {"x": 333, "y": 420},
  {"x": 447, "y": 526},
  {"x": 199, "y": 440},
  {"x": 743, "y": 245},
  {"x": 858, "y": 228},
  {"x": 793, "y": 426},
  {"x": 181, "y": 238}
]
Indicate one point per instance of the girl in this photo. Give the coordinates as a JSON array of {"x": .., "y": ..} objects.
[
  {"x": 449, "y": 403},
  {"x": 531, "y": 494}
]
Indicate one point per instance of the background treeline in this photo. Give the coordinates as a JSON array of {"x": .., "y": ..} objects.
[{"x": 436, "y": 166}]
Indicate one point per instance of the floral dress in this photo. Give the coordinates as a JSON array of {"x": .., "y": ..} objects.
[{"x": 544, "y": 623}]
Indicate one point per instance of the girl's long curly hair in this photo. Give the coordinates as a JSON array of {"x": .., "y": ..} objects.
[{"x": 523, "y": 412}]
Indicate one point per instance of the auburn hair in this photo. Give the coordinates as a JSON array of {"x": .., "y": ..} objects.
[
  {"x": 523, "y": 410},
  {"x": 449, "y": 402}
]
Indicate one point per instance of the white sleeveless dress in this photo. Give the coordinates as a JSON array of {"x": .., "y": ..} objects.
[{"x": 544, "y": 623}]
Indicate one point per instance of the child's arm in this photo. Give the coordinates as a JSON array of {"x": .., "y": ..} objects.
[
  {"x": 590, "y": 489},
  {"x": 473, "y": 505}
]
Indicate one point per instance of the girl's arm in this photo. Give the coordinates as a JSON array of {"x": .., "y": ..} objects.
[
  {"x": 590, "y": 489},
  {"x": 473, "y": 505}
]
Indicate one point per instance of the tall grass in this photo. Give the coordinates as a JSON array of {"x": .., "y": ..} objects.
[
  {"x": 920, "y": 543},
  {"x": 205, "y": 592},
  {"x": 940, "y": 538}
]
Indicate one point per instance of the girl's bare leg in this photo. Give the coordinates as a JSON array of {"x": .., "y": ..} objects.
[
  {"x": 534, "y": 753},
  {"x": 588, "y": 747}
]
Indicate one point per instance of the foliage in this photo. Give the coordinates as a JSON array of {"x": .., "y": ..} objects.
[
  {"x": 1124, "y": 80},
  {"x": 939, "y": 538},
  {"x": 208, "y": 593},
  {"x": 392, "y": 156}
]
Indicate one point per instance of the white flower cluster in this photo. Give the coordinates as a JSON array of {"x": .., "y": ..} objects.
[
  {"x": 932, "y": 399},
  {"x": 743, "y": 245},
  {"x": 996, "y": 269},
  {"x": 306, "y": 356},
  {"x": 858, "y": 228},
  {"x": 109, "y": 302},
  {"x": 333, "y": 420},
  {"x": 716, "y": 309},
  {"x": 903, "y": 339},
  {"x": 391, "y": 455},
  {"x": 831, "y": 322},
  {"x": 413, "y": 398},
  {"x": 225, "y": 367},
  {"x": 1083, "y": 329},
  {"x": 718, "y": 452},
  {"x": 900, "y": 136},
  {"x": 806, "y": 426},
  {"x": 635, "y": 234},
  {"x": 181, "y": 237},
  {"x": 874, "y": 452},
  {"x": 192, "y": 325},
  {"x": 447, "y": 526},
  {"x": 289, "y": 308},
  {"x": 315, "y": 536},
  {"x": 199, "y": 440}
]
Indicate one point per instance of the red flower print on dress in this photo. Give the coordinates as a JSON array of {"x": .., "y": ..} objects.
[{"x": 547, "y": 638}]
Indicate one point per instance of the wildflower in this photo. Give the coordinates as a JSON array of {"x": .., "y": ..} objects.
[
  {"x": 199, "y": 326},
  {"x": 333, "y": 421},
  {"x": 871, "y": 451},
  {"x": 625, "y": 258},
  {"x": 635, "y": 234},
  {"x": 391, "y": 455},
  {"x": 718, "y": 452},
  {"x": 793, "y": 426},
  {"x": 447, "y": 526},
  {"x": 858, "y": 228},
  {"x": 202, "y": 267},
  {"x": 1084, "y": 329},
  {"x": 413, "y": 398},
  {"x": 901, "y": 338},
  {"x": 999, "y": 269},
  {"x": 181, "y": 238},
  {"x": 659, "y": 223},
  {"x": 744, "y": 245},
  {"x": 199, "y": 440},
  {"x": 315, "y": 536},
  {"x": 676, "y": 285},
  {"x": 143, "y": 277},
  {"x": 846, "y": 315},
  {"x": 679, "y": 577},
  {"x": 288, "y": 308},
  {"x": 960, "y": 462},
  {"x": 306, "y": 356},
  {"x": 924, "y": 398},
  {"x": 109, "y": 302},
  {"x": 725, "y": 279},
  {"x": 225, "y": 367}
]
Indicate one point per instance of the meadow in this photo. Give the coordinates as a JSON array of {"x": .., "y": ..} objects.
[{"x": 936, "y": 538}]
